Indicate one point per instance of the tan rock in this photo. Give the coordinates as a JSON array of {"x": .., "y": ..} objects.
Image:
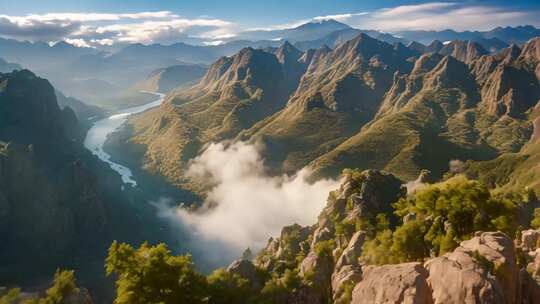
[
  {"x": 353, "y": 251},
  {"x": 481, "y": 270},
  {"x": 347, "y": 274},
  {"x": 400, "y": 283}
]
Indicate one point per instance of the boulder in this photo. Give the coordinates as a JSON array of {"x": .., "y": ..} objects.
[
  {"x": 316, "y": 269},
  {"x": 348, "y": 274},
  {"x": 320, "y": 235},
  {"x": 353, "y": 251},
  {"x": 400, "y": 283},
  {"x": 481, "y": 270}
]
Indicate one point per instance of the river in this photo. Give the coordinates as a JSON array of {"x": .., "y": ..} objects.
[{"x": 97, "y": 135}]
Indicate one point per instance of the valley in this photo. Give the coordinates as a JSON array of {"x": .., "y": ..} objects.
[
  {"x": 97, "y": 135},
  {"x": 156, "y": 157}
]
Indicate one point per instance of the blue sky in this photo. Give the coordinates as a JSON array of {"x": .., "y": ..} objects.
[
  {"x": 250, "y": 12},
  {"x": 147, "y": 21}
]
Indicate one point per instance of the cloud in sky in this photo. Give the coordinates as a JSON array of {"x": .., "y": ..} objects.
[
  {"x": 437, "y": 16},
  {"x": 92, "y": 29}
]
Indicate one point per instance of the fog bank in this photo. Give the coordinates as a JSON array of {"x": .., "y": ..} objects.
[{"x": 246, "y": 206}]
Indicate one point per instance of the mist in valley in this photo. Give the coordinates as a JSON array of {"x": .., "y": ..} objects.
[{"x": 245, "y": 206}]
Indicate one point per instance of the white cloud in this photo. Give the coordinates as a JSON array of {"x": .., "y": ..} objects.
[
  {"x": 340, "y": 17},
  {"x": 413, "y": 9},
  {"x": 77, "y": 42},
  {"x": 158, "y": 31},
  {"x": 247, "y": 206},
  {"x": 103, "y": 29},
  {"x": 89, "y": 17},
  {"x": 168, "y": 27},
  {"x": 438, "y": 16}
]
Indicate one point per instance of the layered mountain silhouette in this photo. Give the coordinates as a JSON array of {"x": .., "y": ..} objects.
[
  {"x": 166, "y": 79},
  {"x": 492, "y": 40},
  {"x": 6, "y": 67},
  {"x": 104, "y": 76}
]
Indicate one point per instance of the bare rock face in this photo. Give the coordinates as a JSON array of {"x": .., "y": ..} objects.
[
  {"x": 481, "y": 270},
  {"x": 353, "y": 251},
  {"x": 243, "y": 268},
  {"x": 317, "y": 269},
  {"x": 400, "y": 283},
  {"x": 348, "y": 274}
]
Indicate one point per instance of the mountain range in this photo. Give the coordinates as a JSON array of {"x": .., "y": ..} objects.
[
  {"x": 76, "y": 71},
  {"x": 432, "y": 110},
  {"x": 419, "y": 108}
]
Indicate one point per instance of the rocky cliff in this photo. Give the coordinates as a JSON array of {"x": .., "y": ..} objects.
[{"x": 332, "y": 258}]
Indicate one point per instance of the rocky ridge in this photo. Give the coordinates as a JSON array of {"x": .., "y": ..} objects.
[{"x": 487, "y": 268}]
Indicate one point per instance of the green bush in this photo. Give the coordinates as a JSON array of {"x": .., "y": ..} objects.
[
  {"x": 150, "y": 274},
  {"x": 225, "y": 287},
  {"x": 445, "y": 214}
]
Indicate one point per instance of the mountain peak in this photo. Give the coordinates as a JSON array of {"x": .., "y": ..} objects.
[
  {"x": 287, "y": 52},
  {"x": 465, "y": 51},
  {"x": 324, "y": 23},
  {"x": 449, "y": 73},
  {"x": 509, "y": 54}
]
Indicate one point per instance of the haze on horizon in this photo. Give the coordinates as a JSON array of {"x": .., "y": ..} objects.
[{"x": 118, "y": 22}]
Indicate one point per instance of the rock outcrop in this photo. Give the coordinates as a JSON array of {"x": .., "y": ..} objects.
[
  {"x": 401, "y": 283},
  {"x": 481, "y": 270},
  {"x": 486, "y": 268}
]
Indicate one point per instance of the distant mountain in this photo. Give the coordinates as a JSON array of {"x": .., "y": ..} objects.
[
  {"x": 6, "y": 67},
  {"x": 83, "y": 111},
  {"x": 304, "y": 32},
  {"x": 39, "y": 55},
  {"x": 516, "y": 35},
  {"x": 169, "y": 78},
  {"x": 493, "y": 40},
  {"x": 99, "y": 77},
  {"x": 338, "y": 37}
]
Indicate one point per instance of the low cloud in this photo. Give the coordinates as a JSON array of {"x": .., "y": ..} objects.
[{"x": 246, "y": 206}]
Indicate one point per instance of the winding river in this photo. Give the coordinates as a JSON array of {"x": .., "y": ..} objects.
[{"x": 97, "y": 135}]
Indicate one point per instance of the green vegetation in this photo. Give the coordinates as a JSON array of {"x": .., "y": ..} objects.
[
  {"x": 11, "y": 296},
  {"x": 150, "y": 274},
  {"x": 279, "y": 288},
  {"x": 225, "y": 287},
  {"x": 535, "y": 223},
  {"x": 444, "y": 215},
  {"x": 64, "y": 286}
]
